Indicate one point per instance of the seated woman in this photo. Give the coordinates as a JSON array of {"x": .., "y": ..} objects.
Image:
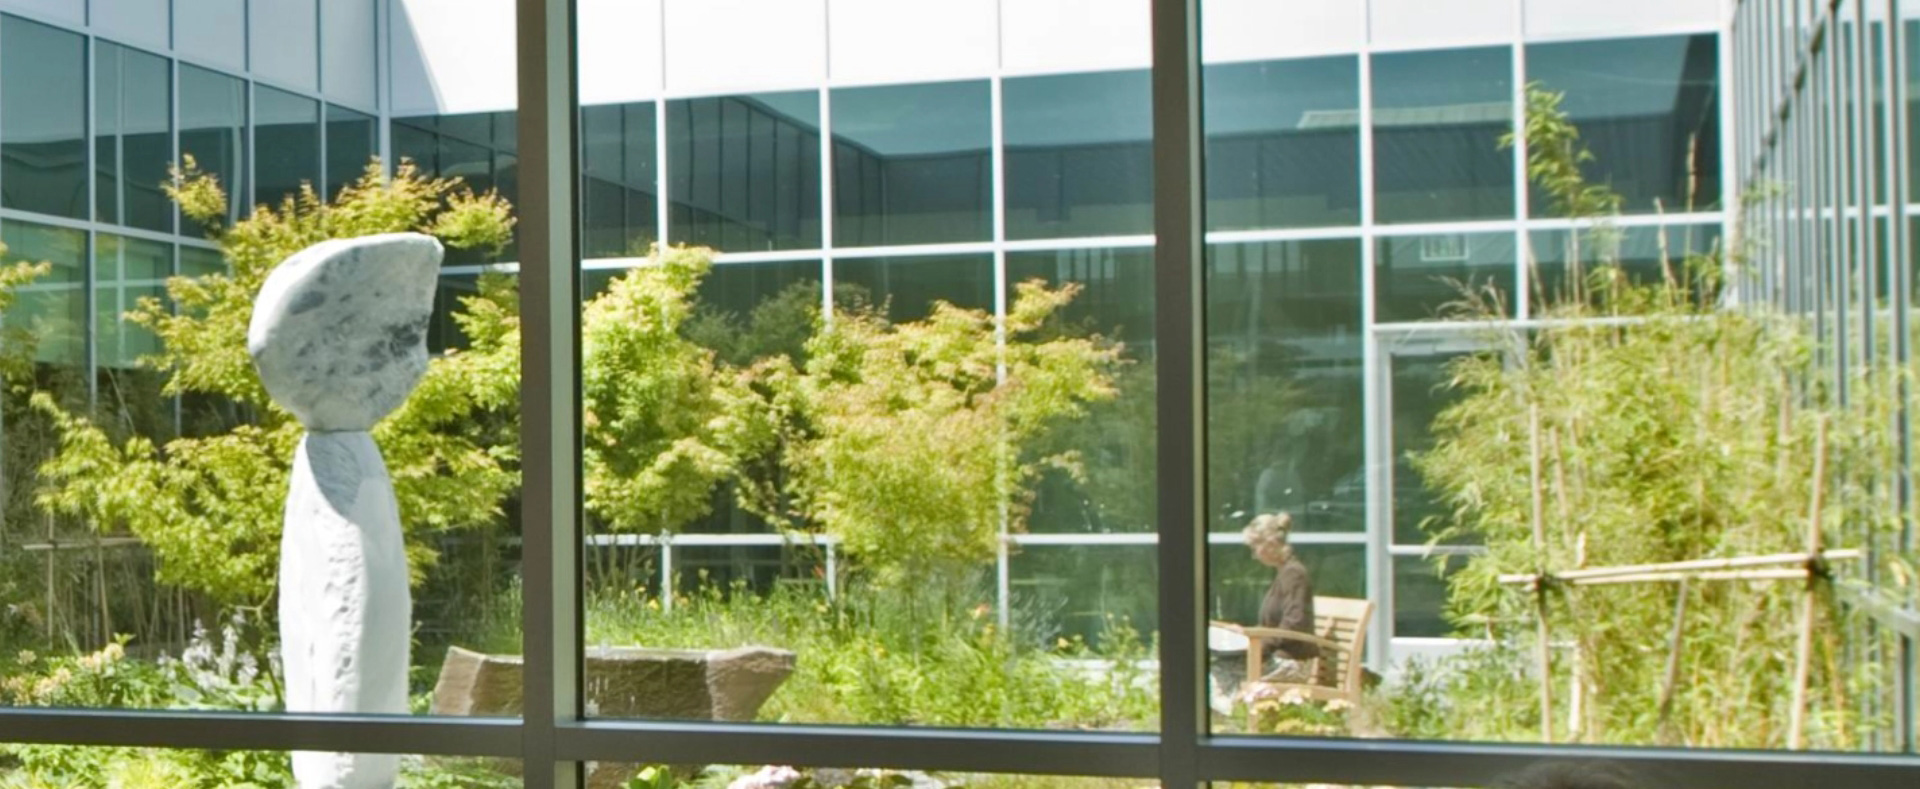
[{"x": 1288, "y": 604}]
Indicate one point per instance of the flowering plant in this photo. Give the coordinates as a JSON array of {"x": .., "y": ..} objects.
[{"x": 1275, "y": 710}]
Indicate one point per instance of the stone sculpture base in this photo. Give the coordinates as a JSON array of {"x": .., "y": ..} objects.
[
  {"x": 626, "y": 682},
  {"x": 345, "y": 608}
]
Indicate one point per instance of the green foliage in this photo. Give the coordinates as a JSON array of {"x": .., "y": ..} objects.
[
  {"x": 1555, "y": 156},
  {"x": 912, "y": 442},
  {"x": 658, "y": 410},
  {"x": 209, "y": 506},
  {"x": 1689, "y": 432},
  {"x": 16, "y": 342},
  {"x": 874, "y": 657}
]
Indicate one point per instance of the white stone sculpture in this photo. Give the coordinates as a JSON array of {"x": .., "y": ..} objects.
[{"x": 339, "y": 337}]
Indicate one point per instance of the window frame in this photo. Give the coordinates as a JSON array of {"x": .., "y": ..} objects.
[{"x": 555, "y": 739}]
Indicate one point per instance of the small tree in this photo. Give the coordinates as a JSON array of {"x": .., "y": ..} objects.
[
  {"x": 913, "y": 442},
  {"x": 1687, "y": 433},
  {"x": 210, "y": 506}
]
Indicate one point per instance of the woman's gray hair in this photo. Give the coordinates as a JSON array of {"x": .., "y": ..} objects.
[{"x": 1271, "y": 527}]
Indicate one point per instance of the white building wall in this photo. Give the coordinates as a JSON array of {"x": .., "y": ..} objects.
[
  {"x": 453, "y": 56},
  {"x": 1425, "y": 24},
  {"x": 142, "y": 23},
  {"x": 1052, "y": 36},
  {"x": 620, "y": 51},
  {"x": 788, "y": 39},
  {"x": 73, "y": 12},
  {"x": 896, "y": 41},
  {"x": 213, "y": 32},
  {"x": 1240, "y": 30},
  {"x": 349, "y": 53},
  {"x": 1604, "y": 18},
  {"x": 284, "y": 42}
]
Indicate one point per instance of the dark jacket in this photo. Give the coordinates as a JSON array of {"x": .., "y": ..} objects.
[{"x": 1289, "y": 606}]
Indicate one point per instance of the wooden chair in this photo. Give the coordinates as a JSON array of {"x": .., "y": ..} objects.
[{"x": 1340, "y": 630}]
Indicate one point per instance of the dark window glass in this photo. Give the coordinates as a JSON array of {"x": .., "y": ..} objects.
[
  {"x": 1648, "y": 108},
  {"x": 1079, "y": 155},
  {"x": 132, "y": 139},
  {"x": 477, "y": 148},
  {"x": 1420, "y": 392},
  {"x": 911, "y": 164},
  {"x": 1420, "y": 595},
  {"x": 1283, "y": 143},
  {"x": 907, "y": 287},
  {"x": 618, "y": 188},
  {"x": 200, "y": 261},
  {"x": 443, "y": 333},
  {"x": 352, "y": 142},
  {"x": 1087, "y": 592},
  {"x": 127, "y": 270},
  {"x": 287, "y": 131},
  {"x": 1284, "y": 342},
  {"x": 213, "y": 119},
  {"x": 744, "y": 171},
  {"x": 751, "y": 311},
  {"x": 1115, "y": 441},
  {"x": 1437, "y": 122},
  {"x": 43, "y": 119},
  {"x": 1427, "y": 277},
  {"x": 53, "y": 306},
  {"x": 1646, "y": 255}
]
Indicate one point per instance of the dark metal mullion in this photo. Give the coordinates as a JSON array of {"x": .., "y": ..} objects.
[
  {"x": 1899, "y": 281},
  {"x": 207, "y": 729},
  {"x": 1116, "y": 755},
  {"x": 1362, "y": 762},
  {"x": 549, "y": 158},
  {"x": 1179, "y": 333}
]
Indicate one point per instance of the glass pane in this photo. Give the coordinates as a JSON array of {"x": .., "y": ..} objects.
[
  {"x": 53, "y": 306},
  {"x": 1284, "y": 385},
  {"x": 127, "y": 270},
  {"x": 1420, "y": 392},
  {"x": 1648, "y": 109},
  {"x": 1099, "y": 596},
  {"x": 1644, "y": 255},
  {"x": 1444, "y": 275},
  {"x": 1283, "y": 143},
  {"x": 213, "y": 118},
  {"x": 133, "y": 140},
  {"x": 1438, "y": 117},
  {"x": 1106, "y": 493},
  {"x": 905, "y": 288},
  {"x": 477, "y": 147},
  {"x": 353, "y": 139},
  {"x": 287, "y": 131},
  {"x": 43, "y": 118},
  {"x": 1079, "y": 155},
  {"x": 744, "y": 171},
  {"x": 738, "y": 776},
  {"x": 911, "y": 164},
  {"x": 1420, "y": 595},
  {"x": 618, "y": 188}
]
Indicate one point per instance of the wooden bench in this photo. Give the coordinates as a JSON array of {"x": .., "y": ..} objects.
[{"x": 1340, "y": 630}]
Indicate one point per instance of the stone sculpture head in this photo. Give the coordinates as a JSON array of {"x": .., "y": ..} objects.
[{"x": 339, "y": 330}]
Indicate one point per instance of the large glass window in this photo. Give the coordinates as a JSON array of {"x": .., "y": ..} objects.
[
  {"x": 478, "y": 148},
  {"x": 1286, "y": 426},
  {"x": 127, "y": 271},
  {"x": 287, "y": 132},
  {"x": 906, "y": 288},
  {"x": 133, "y": 140},
  {"x": 1649, "y": 110},
  {"x": 1444, "y": 275},
  {"x": 213, "y": 130},
  {"x": 54, "y": 306},
  {"x": 1438, "y": 119},
  {"x": 1283, "y": 143},
  {"x": 353, "y": 139},
  {"x": 744, "y": 171},
  {"x": 618, "y": 188},
  {"x": 43, "y": 118},
  {"x": 911, "y": 164},
  {"x": 1079, "y": 155}
]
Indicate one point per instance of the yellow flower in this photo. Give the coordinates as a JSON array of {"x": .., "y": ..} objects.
[{"x": 27, "y": 656}]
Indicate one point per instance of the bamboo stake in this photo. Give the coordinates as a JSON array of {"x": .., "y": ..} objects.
[
  {"x": 1803, "y": 646},
  {"x": 1728, "y": 575},
  {"x": 1694, "y": 565},
  {"x": 1673, "y": 663},
  {"x": 1543, "y": 634}
]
